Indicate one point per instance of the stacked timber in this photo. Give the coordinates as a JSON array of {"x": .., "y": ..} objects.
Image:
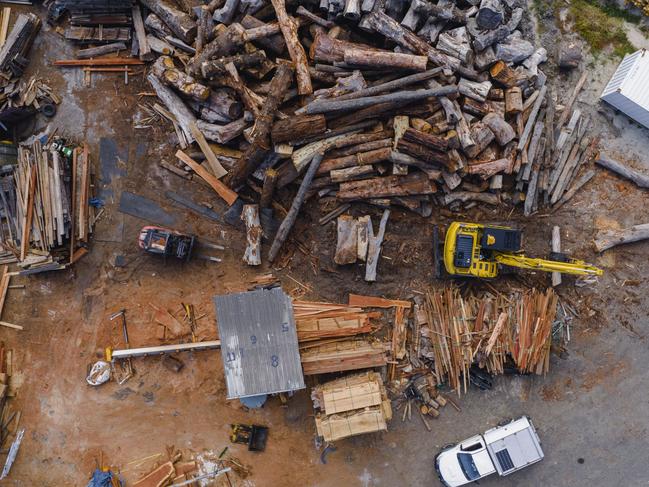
[
  {"x": 95, "y": 21},
  {"x": 458, "y": 333},
  {"x": 318, "y": 321},
  {"x": 343, "y": 355},
  {"x": 46, "y": 216},
  {"x": 352, "y": 405}
]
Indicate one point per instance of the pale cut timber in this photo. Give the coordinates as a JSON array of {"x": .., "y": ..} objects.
[
  {"x": 374, "y": 248},
  {"x": 158, "y": 477},
  {"x": 385, "y": 59},
  {"x": 250, "y": 215},
  {"x": 556, "y": 247},
  {"x": 376, "y": 302},
  {"x": 221, "y": 189},
  {"x": 611, "y": 238},
  {"x": 10, "y": 325},
  {"x": 217, "y": 169}
]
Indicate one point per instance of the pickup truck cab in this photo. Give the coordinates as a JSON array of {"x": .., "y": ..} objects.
[{"x": 504, "y": 449}]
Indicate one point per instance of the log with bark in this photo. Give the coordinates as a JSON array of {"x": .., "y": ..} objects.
[
  {"x": 638, "y": 178},
  {"x": 250, "y": 216},
  {"x": 607, "y": 239},
  {"x": 178, "y": 21},
  {"x": 166, "y": 71},
  {"x": 260, "y": 145},
  {"x": 298, "y": 128}
]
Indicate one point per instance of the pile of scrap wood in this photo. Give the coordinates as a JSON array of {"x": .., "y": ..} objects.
[
  {"x": 318, "y": 321},
  {"x": 18, "y": 98},
  {"x": 46, "y": 217},
  {"x": 352, "y": 405},
  {"x": 396, "y": 103},
  {"x": 459, "y": 332}
]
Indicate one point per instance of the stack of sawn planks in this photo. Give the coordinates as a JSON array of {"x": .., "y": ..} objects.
[{"x": 352, "y": 405}]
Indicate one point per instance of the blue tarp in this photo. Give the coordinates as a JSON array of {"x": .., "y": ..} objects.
[{"x": 101, "y": 479}]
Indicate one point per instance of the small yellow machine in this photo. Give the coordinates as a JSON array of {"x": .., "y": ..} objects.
[{"x": 475, "y": 250}]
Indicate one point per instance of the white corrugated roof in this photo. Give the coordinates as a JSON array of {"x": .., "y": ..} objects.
[{"x": 628, "y": 88}]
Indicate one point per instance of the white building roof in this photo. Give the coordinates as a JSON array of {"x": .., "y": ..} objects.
[{"x": 628, "y": 89}]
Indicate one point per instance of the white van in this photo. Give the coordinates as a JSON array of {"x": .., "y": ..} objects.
[{"x": 503, "y": 449}]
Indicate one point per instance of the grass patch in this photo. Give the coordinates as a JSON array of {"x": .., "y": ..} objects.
[{"x": 600, "y": 28}]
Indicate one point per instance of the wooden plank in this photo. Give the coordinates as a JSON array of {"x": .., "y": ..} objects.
[
  {"x": 221, "y": 189},
  {"x": 556, "y": 247},
  {"x": 109, "y": 61},
  {"x": 217, "y": 169},
  {"x": 376, "y": 302},
  {"x": 4, "y": 27},
  {"x": 4, "y": 286},
  {"x": 10, "y": 325},
  {"x": 29, "y": 212}
]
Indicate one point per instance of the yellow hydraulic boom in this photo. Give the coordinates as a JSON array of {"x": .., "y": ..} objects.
[{"x": 476, "y": 250}]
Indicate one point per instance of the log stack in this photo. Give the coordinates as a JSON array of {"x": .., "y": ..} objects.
[{"x": 408, "y": 103}]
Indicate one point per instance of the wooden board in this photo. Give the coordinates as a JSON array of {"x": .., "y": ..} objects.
[
  {"x": 376, "y": 302},
  {"x": 339, "y": 426},
  {"x": 221, "y": 189}
]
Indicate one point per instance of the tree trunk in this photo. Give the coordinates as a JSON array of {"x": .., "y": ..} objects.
[
  {"x": 502, "y": 130},
  {"x": 514, "y": 49},
  {"x": 570, "y": 55},
  {"x": 358, "y": 159},
  {"x": 210, "y": 69},
  {"x": 250, "y": 215},
  {"x": 268, "y": 189},
  {"x": 226, "y": 43},
  {"x": 261, "y": 130},
  {"x": 179, "y": 22},
  {"x": 298, "y": 127},
  {"x": 412, "y": 184},
  {"x": 289, "y": 29},
  {"x": 385, "y": 59},
  {"x": 488, "y": 169},
  {"x": 503, "y": 75},
  {"x": 347, "y": 240},
  {"x": 429, "y": 140},
  {"x": 222, "y": 133},
  {"x": 489, "y": 37},
  {"x": 482, "y": 135},
  {"x": 101, "y": 50},
  {"x": 513, "y": 100},
  {"x": 477, "y": 91},
  {"x": 166, "y": 71},
  {"x": 490, "y": 15},
  {"x": 289, "y": 221},
  {"x": 642, "y": 180},
  {"x": 175, "y": 105},
  {"x": 607, "y": 239},
  {"x": 465, "y": 196},
  {"x": 274, "y": 42}
]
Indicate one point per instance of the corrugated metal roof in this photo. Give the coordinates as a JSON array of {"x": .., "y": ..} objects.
[
  {"x": 258, "y": 343},
  {"x": 628, "y": 88}
]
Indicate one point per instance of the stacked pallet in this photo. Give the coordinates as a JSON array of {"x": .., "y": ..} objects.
[
  {"x": 461, "y": 332},
  {"x": 350, "y": 406},
  {"x": 46, "y": 217}
]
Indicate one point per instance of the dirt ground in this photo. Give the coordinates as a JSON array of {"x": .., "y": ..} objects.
[{"x": 591, "y": 410}]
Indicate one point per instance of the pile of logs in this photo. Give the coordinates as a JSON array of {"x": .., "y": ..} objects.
[
  {"x": 46, "y": 217},
  {"x": 459, "y": 332},
  {"x": 404, "y": 103}
]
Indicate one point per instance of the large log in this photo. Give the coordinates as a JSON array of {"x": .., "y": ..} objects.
[
  {"x": 169, "y": 74},
  {"x": 488, "y": 169},
  {"x": 429, "y": 140},
  {"x": 287, "y": 224},
  {"x": 272, "y": 42},
  {"x": 374, "y": 246},
  {"x": 502, "y": 130},
  {"x": 179, "y": 22},
  {"x": 390, "y": 28},
  {"x": 289, "y": 29},
  {"x": 100, "y": 50},
  {"x": 347, "y": 240},
  {"x": 456, "y": 43},
  {"x": 260, "y": 145},
  {"x": 477, "y": 91},
  {"x": 210, "y": 69},
  {"x": 221, "y": 107},
  {"x": 513, "y": 100},
  {"x": 466, "y": 196},
  {"x": 250, "y": 215},
  {"x": 482, "y": 40},
  {"x": 607, "y": 239},
  {"x": 502, "y": 74},
  {"x": 226, "y": 43},
  {"x": 514, "y": 49},
  {"x": 358, "y": 159},
  {"x": 328, "y": 106},
  {"x": 385, "y": 59},
  {"x": 482, "y": 135},
  {"x": 640, "y": 179},
  {"x": 175, "y": 105},
  {"x": 424, "y": 153},
  {"x": 297, "y": 128},
  {"x": 222, "y": 133},
  {"x": 268, "y": 188},
  {"x": 412, "y": 184},
  {"x": 490, "y": 15}
]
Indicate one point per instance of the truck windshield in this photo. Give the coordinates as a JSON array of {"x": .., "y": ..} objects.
[{"x": 468, "y": 467}]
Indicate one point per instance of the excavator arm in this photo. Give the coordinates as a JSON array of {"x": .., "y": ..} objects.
[{"x": 576, "y": 267}]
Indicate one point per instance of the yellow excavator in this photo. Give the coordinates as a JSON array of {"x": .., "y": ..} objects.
[{"x": 475, "y": 250}]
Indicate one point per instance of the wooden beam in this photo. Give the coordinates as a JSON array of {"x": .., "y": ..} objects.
[
  {"x": 376, "y": 302},
  {"x": 217, "y": 169},
  {"x": 221, "y": 189}
]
